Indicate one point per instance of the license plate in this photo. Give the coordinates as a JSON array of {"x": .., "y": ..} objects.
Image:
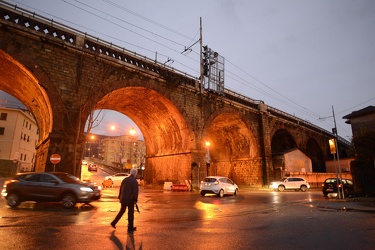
[{"x": 329, "y": 189}]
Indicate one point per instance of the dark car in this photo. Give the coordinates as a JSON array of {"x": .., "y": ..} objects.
[
  {"x": 330, "y": 186},
  {"x": 92, "y": 167},
  {"x": 49, "y": 187}
]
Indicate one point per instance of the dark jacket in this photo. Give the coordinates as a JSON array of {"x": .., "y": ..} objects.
[{"x": 128, "y": 190}]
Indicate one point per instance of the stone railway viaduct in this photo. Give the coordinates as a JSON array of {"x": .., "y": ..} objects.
[{"x": 62, "y": 75}]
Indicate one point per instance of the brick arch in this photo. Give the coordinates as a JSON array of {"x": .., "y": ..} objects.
[
  {"x": 164, "y": 129},
  {"x": 19, "y": 82},
  {"x": 281, "y": 141},
  {"x": 315, "y": 153},
  {"x": 234, "y": 150}
]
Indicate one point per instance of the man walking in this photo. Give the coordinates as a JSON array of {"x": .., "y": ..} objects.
[{"x": 128, "y": 197}]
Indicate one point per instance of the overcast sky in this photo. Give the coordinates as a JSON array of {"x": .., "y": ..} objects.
[{"x": 299, "y": 56}]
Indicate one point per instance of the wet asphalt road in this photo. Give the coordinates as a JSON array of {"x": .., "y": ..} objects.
[{"x": 254, "y": 219}]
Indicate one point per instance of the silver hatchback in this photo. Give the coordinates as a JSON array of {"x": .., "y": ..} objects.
[{"x": 218, "y": 185}]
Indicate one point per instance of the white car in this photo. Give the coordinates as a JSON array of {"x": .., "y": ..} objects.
[
  {"x": 218, "y": 185},
  {"x": 292, "y": 183},
  {"x": 117, "y": 178},
  {"x": 84, "y": 162}
]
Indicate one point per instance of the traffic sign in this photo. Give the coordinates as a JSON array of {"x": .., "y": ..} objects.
[{"x": 55, "y": 158}]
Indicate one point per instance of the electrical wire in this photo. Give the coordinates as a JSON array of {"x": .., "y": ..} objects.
[{"x": 282, "y": 99}]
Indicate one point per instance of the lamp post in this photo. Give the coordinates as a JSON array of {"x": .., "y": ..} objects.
[
  {"x": 334, "y": 150},
  {"x": 208, "y": 159}
]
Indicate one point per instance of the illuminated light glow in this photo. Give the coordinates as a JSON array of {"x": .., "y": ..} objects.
[
  {"x": 332, "y": 146},
  {"x": 208, "y": 144},
  {"x": 132, "y": 131}
]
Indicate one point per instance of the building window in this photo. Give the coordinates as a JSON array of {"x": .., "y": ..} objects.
[
  {"x": 3, "y": 116},
  {"x": 2, "y": 129}
]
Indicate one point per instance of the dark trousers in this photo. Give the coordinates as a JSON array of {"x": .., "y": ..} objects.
[{"x": 130, "y": 214}]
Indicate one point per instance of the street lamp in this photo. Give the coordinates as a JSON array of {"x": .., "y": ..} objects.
[
  {"x": 132, "y": 131},
  {"x": 208, "y": 159},
  {"x": 92, "y": 137},
  {"x": 334, "y": 151}
]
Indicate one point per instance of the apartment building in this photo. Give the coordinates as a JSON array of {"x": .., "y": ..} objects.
[
  {"x": 19, "y": 136},
  {"x": 125, "y": 151}
]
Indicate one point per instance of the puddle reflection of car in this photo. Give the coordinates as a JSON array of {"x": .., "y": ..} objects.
[
  {"x": 49, "y": 187},
  {"x": 92, "y": 167},
  {"x": 218, "y": 185},
  {"x": 117, "y": 178}
]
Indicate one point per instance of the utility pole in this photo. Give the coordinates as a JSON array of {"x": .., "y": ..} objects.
[
  {"x": 338, "y": 158},
  {"x": 200, "y": 56}
]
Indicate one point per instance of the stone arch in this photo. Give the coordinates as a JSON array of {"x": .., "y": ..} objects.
[
  {"x": 19, "y": 82},
  {"x": 315, "y": 153},
  {"x": 281, "y": 141},
  {"x": 165, "y": 131},
  {"x": 234, "y": 151}
]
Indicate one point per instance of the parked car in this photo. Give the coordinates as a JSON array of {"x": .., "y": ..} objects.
[
  {"x": 49, "y": 187},
  {"x": 84, "y": 162},
  {"x": 117, "y": 178},
  {"x": 290, "y": 183},
  {"x": 330, "y": 186},
  {"x": 218, "y": 185},
  {"x": 92, "y": 167}
]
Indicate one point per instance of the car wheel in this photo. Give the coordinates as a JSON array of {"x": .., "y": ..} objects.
[
  {"x": 235, "y": 191},
  {"x": 221, "y": 193},
  {"x": 13, "y": 199},
  {"x": 203, "y": 193},
  {"x": 69, "y": 200},
  {"x": 303, "y": 188},
  {"x": 281, "y": 188}
]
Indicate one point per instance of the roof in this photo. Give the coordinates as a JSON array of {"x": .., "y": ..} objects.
[{"x": 362, "y": 112}]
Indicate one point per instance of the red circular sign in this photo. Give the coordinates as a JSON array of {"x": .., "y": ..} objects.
[{"x": 55, "y": 158}]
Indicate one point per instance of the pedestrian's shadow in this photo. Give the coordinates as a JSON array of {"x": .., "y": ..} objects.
[{"x": 130, "y": 243}]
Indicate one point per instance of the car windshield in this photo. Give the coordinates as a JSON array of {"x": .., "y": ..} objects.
[
  {"x": 68, "y": 178},
  {"x": 283, "y": 179}
]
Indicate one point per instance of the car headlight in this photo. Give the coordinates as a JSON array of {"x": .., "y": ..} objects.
[
  {"x": 86, "y": 189},
  {"x": 274, "y": 185}
]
